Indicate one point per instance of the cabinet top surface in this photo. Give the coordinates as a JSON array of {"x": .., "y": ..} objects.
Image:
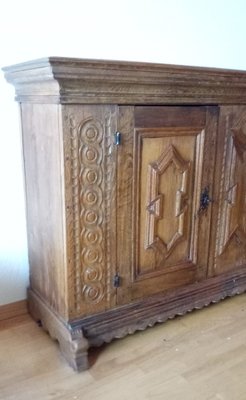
[
  {"x": 113, "y": 64},
  {"x": 74, "y": 80}
]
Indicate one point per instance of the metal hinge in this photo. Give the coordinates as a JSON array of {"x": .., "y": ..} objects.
[
  {"x": 117, "y": 138},
  {"x": 116, "y": 280}
]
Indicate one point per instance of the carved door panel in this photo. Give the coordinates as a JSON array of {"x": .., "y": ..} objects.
[
  {"x": 165, "y": 162},
  {"x": 230, "y": 208}
]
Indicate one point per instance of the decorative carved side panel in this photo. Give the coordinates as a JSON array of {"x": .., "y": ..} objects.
[
  {"x": 231, "y": 225},
  {"x": 90, "y": 206}
]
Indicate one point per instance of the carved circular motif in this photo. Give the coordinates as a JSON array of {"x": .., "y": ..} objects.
[
  {"x": 91, "y": 131},
  {"x": 91, "y": 217},
  {"x": 93, "y": 293},
  {"x": 91, "y": 154},
  {"x": 91, "y": 237},
  {"x": 92, "y": 273},
  {"x": 91, "y": 134},
  {"x": 91, "y": 256},
  {"x": 87, "y": 149},
  {"x": 91, "y": 176},
  {"x": 91, "y": 197}
]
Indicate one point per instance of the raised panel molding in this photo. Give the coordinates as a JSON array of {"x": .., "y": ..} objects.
[
  {"x": 232, "y": 227},
  {"x": 239, "y": 137},
  {"x": 165, "y": 224},
  {"x": 154, "y": 209}
]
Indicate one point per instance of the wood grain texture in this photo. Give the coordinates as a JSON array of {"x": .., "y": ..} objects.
[
  {"x": 72, "y": 342},
  {"x": 90, "y": 206},
  {"x": 125, "y": 209},
  {"x": 44, "y": 171},
  {"x": 198, "y": 357},
  {"x": 230, "y": 192},
  {"x": 13, "y": 310},
  {"x": 171, "y": 116},
  {"x": 64, "y": 80}
]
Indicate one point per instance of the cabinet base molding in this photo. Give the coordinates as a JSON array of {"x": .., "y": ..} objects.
[
  {"x": 72, "y": 343},
  {"x": 75, "y": 337}
]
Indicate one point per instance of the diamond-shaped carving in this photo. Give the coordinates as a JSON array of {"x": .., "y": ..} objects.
[
  {"x": 232, "y": 228},
  {"x": 154, "y": 209},
  {"x": 239, "y": 138}
]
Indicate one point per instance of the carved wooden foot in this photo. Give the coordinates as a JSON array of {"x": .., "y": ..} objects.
[
  {"x": 75, "y": 350},
  {"x": 72, "y": 343}
]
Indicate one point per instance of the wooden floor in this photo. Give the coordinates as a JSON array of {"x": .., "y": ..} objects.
[{"x": 201, "y": 356}]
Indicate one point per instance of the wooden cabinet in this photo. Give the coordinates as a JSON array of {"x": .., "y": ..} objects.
[{"x": 135, "y": 191}]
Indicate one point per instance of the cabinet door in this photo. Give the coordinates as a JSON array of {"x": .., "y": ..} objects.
[
  {"x": 165, "y": 163},
  {"x": 230, "y": 192}
]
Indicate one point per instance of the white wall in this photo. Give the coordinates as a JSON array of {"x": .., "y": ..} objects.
[{"x": 192, "y": 32}]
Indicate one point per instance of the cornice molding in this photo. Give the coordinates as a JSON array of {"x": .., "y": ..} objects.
[{"x": 67, "y": 80}]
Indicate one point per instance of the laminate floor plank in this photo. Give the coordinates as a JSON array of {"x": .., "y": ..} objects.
[{"x": 200, "y": 356}]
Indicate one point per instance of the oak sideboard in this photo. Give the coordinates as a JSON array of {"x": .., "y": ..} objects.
[{"x": 135, "y": 193}]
